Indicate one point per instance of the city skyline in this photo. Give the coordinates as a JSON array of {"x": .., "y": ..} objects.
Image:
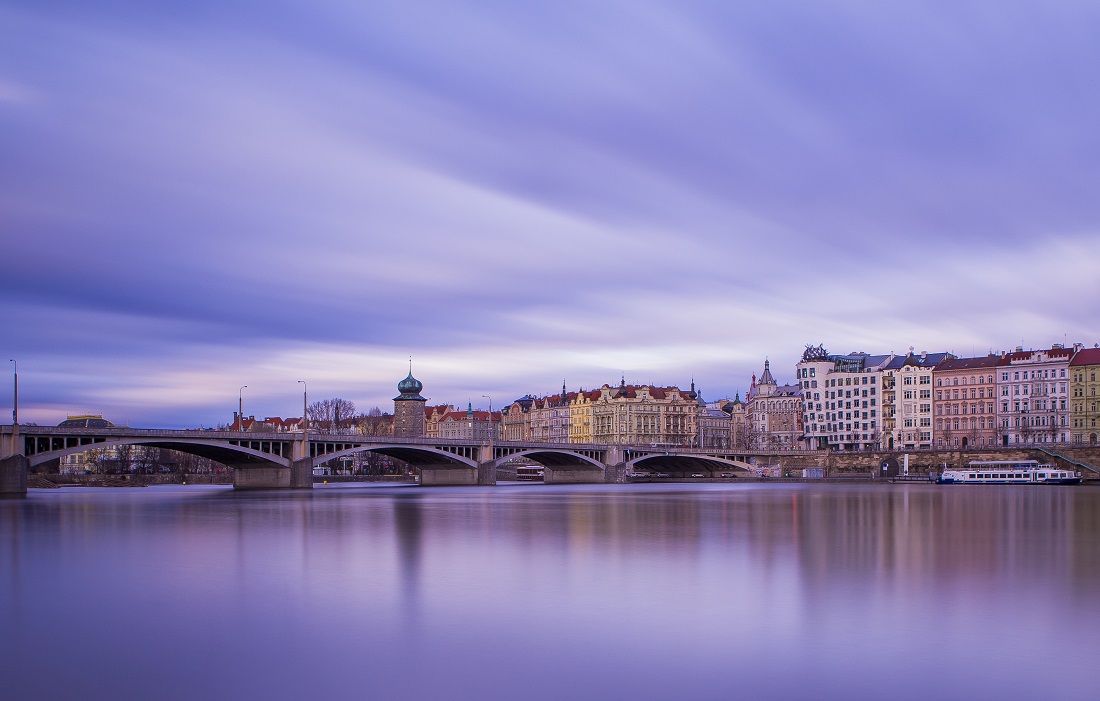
[{"x": 198, "y": 198}]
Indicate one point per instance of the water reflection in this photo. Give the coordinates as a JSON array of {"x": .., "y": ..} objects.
[{"x": 653, "y": 591}]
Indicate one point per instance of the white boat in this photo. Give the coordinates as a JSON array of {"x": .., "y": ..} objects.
[
  {"x": 530, "y": 474},
  {"x": 1009, "y": 472}
]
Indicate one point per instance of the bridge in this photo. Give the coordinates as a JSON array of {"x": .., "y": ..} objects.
[{"x": 285, "y": 460}]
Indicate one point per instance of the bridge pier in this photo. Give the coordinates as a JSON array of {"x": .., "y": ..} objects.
[
  {"x": 559, "y": 475},
  {"x": 448, "y": 476},
  {"x": 13, "y": 476},
  {"x": 261, "y": 477},
  {"x": 487, "y": 474}
]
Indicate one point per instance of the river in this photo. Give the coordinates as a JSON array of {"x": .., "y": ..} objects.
[{"x": 521, "y": 591}]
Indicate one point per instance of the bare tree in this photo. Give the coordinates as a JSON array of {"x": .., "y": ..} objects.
[{"x": 328, "y": 413}]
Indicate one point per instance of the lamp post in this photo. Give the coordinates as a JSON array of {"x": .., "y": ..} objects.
[
  {"x": 305, "y": 401},
  {"x": 240, "y": 407},
  {"x": 15, "y": 402},
  {"x": 490, "y": 422}
]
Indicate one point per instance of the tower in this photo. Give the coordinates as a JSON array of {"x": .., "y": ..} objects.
[{"x": 408, "y": 408}]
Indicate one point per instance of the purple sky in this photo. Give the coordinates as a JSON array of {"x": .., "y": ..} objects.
[{"x": 196, "y": 198}]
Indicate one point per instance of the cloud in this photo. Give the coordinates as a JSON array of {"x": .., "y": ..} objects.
[{"x": 194, "y": 196}]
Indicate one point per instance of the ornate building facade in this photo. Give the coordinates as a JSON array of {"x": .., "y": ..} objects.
[
  {"x": 773, "y": 413},
  {"x": 964, "y": 407},
  {"x": 1084, "y": 372},
  {"x": 646, "y": 415},
  {"x": 1033, "y": 396}
]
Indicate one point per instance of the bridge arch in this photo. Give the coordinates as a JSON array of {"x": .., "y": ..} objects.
[
  {"x": 561, "y": 459},
  {"x": 417, "y": 456},
  {"x": 221, "y": 451},
  {"x": 683, "y": 462}
]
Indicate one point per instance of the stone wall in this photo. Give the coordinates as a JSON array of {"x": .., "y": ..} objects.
[
  {"x": 921, "y": 462},
  {"x": 408, "y": 418}
]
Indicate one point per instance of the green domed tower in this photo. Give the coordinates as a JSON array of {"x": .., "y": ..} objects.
[{"x": 408, "y": 408}]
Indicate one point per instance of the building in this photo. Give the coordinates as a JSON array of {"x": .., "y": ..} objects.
[
  {"x": 1033, "y": 396},
  {"x": 580, "y": 416},
  {"x": 548, "y": 418},
  {"x": 470, "y": 425},
  {"x": 964, "y": 407},
  {"x": 409, "y": 420},
  {"x": 907, "y": 400},
  {"x": 542, "y": 419},
  {"x": 1084, "y": 385},
  {"x": 715, "y": 429},
  {"x": 774, "y": 413},
  {"x": 842, "y": 399},
  {"x": 739, "y": 423},
  {"x": 432, "y": 416}
]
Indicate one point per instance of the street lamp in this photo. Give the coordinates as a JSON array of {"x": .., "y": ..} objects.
[
  {"x": 305, "y": 400},
  {"x": 15, "y": 402},
  {"x": 240, "y": 407},
  {"x": 490, "y": 419}
]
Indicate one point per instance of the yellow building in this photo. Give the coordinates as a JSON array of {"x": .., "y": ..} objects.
[
  {"x": 1084, "y": 392},
  {"x": 580, "y": 417},
  {"x": 646, "y": 415}
]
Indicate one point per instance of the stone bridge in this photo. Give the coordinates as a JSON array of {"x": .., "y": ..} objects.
[{"x": 286, "y": 460}]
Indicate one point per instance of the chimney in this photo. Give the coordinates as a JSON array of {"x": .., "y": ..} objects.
[{"x": 924, "y": 355}]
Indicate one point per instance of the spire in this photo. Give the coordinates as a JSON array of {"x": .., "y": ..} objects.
[
  {"x": 470, "y": 410},
  {"x": 563, "y": 389},
  {"x": 766, "y": 378}
]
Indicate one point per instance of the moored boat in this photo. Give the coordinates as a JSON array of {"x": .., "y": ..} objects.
[{"x": 1009, "y": 472}]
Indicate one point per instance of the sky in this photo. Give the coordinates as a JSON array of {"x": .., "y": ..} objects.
[{"x": 203, "y": 195}]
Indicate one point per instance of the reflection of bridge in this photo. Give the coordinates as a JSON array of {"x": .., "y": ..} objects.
[{"x": 272, "y": 460}]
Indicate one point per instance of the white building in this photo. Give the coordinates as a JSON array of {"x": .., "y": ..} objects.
[
  {"x": 842, "y": 399},
  {"x": 907, "y": 400},
  {"x": 1033, "y": 395}
]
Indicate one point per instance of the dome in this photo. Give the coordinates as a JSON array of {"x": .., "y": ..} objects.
[
  {"x": 410, "y": 385},
  {"x": 410, "y": 389}
]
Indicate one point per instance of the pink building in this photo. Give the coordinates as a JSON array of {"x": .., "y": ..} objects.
[{"x": 965, "y": 402}]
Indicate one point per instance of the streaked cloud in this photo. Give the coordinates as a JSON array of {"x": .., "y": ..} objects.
[{"x": 198, "y": 197}]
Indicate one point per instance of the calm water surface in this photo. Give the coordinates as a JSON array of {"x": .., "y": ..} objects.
[{"x": 547, "y": 592}]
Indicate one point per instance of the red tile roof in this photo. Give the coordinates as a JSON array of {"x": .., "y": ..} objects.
[
  {"x": 988, "y": 361},
  {"x": 1087, "y": 356}
]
